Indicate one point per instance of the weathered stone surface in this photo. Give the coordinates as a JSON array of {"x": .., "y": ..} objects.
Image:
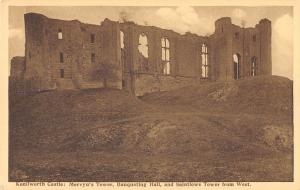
[
  {"x": 17, "y": 67},
  {"x": 83, "y": 46}
]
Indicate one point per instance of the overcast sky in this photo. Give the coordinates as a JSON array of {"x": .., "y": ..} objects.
[{"x": 199, "y": 20}]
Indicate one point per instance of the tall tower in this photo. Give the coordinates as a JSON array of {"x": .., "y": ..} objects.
[
  {"x": 265, "y": 31},
  {"x": 36, "y": 50},
  {"x": 223, "y": 49}
]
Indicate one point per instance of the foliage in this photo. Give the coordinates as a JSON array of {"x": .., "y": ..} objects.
[{"x": 106, "y": 71}]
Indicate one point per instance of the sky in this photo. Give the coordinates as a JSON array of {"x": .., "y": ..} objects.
[{"x": 198, "y": 20}]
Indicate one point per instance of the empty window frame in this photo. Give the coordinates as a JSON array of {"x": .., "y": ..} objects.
[
  {"x": 165, "y": 55},
  {"x": 93, "y": 57},
  {"x": 236, "y": 66},
  {"x": 61, "y": 57},
  {"x": 204, "y": 62},
  {"x": 254, "y": 38},
  {"x": 60, "y": 34},
  {"x": 92, "y": 38},
  {"x": 237, "y": 35},
  {"x": 143, "y": 45},
  {"x": 62, "y": 73},
  {"x": 122, "y": 39},
  {"x": 254, "y": 66}
]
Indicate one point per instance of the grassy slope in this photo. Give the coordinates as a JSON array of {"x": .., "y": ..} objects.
[
  {"x": 234, "y": 131},
  {"x": 263, "y": 94}
]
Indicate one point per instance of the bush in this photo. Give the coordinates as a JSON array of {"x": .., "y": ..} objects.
[{"x": 106, "y": 71}]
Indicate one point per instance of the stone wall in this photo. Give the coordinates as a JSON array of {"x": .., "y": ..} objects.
[
  {"x": 17, "y": 67},
  {"x": 230, "y": 39},
  {"x": 185, "y": 59},
  {"x": 83, "y": 47},
  {"x": 75, "y": 56}
]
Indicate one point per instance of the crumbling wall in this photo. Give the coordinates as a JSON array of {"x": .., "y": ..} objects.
[
  {"x": 85, "y": 46},
  {"x": 222, "y": 47},
  {"x": 251, "y": 48},
  {"x": 187, "y": 59},
  {"x": 17, "y": 67},
  {"x": 37, "y": 65},
  {"x": 69, "y": 57},
  {"x": 265, "y": 31},
  {"x": 230, "y": 39},
  {"x": 111, "y": 51},
  {"x": 16, "y": 78},
  {"x": 145, "y": 74}
]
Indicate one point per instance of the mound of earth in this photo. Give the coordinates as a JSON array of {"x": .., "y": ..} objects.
[
  {"x": 259, "y": 95},
  {"x": 51, "y": 117},
  {"x": 233, "y": 131},
  {"x": 80, "y": 101}
]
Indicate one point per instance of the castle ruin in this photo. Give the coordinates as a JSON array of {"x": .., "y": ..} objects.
[{"x": 63, "y": 54}]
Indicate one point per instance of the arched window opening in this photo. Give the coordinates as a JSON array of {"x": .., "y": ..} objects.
[
  {"x": 165, "y": 55},
  {"x": 122, "y": 51},
  {"x": 122, "y": 39},
  {"x": 236, "y": 65},
  {"x": 60, "y": 34},
  {"x": 143, "y": 53},
  {"x": 143, "y": 45},
  {"x": 253, "y": 66},
  {"x": 204, "y": 56}
]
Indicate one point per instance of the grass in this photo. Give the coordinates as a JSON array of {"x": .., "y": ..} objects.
[{"x": 238, "y": 131}]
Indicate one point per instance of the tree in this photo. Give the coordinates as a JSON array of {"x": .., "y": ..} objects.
[{"x": 106, "y": 71}]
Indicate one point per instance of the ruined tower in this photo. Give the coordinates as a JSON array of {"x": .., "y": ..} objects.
[{"x": 241, "y": 52}]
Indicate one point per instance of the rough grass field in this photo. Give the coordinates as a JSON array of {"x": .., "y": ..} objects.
[{"x": 235, "y": 131}]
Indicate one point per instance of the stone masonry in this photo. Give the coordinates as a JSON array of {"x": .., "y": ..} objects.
[{"x": 64, "y": 54}]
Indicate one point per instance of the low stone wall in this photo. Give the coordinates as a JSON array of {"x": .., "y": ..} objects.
[{"x": 147, "y": 83}]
